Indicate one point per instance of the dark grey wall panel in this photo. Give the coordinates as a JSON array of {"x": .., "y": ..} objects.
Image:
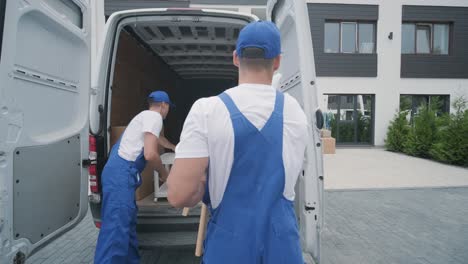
[
  {"x": 230, "y": 2},
  {"x": 112, "y": 6},
  {"x": 454, "y": 65},
  {"x": 343, "y": 65},
  {"x": 46, "y": 190}
]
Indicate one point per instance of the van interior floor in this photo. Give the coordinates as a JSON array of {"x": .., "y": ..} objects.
[
  {"x": 162, "y": 226},
  {"x": 162, "y": 207}
]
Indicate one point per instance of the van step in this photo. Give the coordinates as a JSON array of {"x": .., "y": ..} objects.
[
  {"x": 165, "y": 211},
  {"x": 166, "y": 214},
  {"x": 174, "y": 224},
  {"x": 167, "y": 240}
]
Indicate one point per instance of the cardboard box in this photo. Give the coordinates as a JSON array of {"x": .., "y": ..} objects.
[
  {"x": 116, "y": 132},
  {"x": 328, "y": 145},
  {"x": 324, "y": 133},
  {"x": 147, "y": 186}
]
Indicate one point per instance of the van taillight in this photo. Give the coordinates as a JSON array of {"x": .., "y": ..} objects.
[{"x": 92, "y": 168}]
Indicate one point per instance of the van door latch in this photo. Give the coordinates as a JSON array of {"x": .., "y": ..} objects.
[{"x": 309, "y": 208}]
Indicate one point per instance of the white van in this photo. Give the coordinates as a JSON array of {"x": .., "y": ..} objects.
[{"x": 55, "y": 125}]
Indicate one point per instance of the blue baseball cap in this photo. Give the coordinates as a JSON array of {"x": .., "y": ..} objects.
[
  {"x": 160, "y": 96},
  {"x": 263, "y": 35}
]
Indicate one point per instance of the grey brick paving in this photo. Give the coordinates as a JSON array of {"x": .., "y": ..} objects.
[{"x": 420, "y": 226}]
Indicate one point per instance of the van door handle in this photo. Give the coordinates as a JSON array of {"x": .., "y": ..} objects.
[
  {"x": 319, "y": 118},
  {"x": 101, "y": 121}
]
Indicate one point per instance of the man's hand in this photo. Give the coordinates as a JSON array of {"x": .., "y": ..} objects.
[
  {"x": 165, "y": 143},
  {"x": 163, "y": 176},
  {"x": 151, "y": 153}
]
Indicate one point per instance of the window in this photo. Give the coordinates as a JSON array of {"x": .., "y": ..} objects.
[
  {"x": 332, "y": 37},
  {"x": 414, "y": 103},
  {"x": 441, "y": 39},
  {"x": 425, "y": 38},
  {"x": 350, "y": 118},
  {"x": 408, "y": 39},
  {"x": 366, "y": 37},
  {"x": 349, "y": 37},
  {"x": 2, "y": 22}
]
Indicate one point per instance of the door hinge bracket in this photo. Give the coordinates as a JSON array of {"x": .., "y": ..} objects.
[{"x": 86, "y": 162}]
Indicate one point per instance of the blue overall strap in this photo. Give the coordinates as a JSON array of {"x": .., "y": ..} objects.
[{"x": 230, "y": 105}]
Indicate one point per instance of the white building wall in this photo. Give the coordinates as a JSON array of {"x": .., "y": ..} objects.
[{"x": 388, "y": 85}]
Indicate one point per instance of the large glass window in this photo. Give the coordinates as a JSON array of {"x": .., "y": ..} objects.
[
  {"x": 350, "y": 118},
  {"x": 425, "y": 38},
  {"x": 414, "y": 103},
  {"x": 366, "y": 38},
  {"x": 441, "y": 38},
  {"x": 349, "y": 37},
  {"x": 408, "y": 38},
  {"x": 332, "y": 37}
]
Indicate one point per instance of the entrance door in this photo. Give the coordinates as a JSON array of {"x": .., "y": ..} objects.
[{"x": 351, "y": 118}]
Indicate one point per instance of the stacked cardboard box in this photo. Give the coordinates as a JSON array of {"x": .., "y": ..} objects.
[{"x": 328, "y": 143}]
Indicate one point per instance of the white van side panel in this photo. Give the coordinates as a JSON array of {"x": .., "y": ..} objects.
[
  {"x": 44, "y": 98},
  {"x": 297, "y": 73}
]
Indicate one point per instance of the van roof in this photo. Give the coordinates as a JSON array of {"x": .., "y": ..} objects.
[{"x": 195, "y": 43}]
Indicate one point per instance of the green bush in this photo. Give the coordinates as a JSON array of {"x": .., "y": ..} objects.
[
  {"x": 397, "y": 133},
  {"x": 452, "y": 144},
  {"x": 442, "y": 137},
  {"x": 423, "y": 133}
]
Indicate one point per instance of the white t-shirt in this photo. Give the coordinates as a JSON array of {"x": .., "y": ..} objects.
[
  {"x": 133, "y": 139},
  {"x": 208, "y": 132}
]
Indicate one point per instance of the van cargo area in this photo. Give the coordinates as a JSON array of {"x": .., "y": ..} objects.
[{"x": 189, "y": 56}]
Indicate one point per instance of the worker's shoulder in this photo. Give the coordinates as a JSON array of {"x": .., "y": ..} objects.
[
  {"x": 206, "y": 102},
  {"x": 206, "y": 105},
  {"x": 149, "y": 114}
]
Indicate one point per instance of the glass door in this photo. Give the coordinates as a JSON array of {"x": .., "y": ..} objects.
[{"x": 351, "y": 118}]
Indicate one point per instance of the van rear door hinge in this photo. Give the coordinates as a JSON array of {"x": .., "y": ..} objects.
[{"x": 85, "y": 163}]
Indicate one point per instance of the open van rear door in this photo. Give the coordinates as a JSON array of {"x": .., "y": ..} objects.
[
  {"x": 298, "y": 79},
  {"x": 44, "y": 99}
]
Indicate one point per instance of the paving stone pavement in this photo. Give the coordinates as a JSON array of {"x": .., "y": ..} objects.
[{"x": 420, "y": 226}]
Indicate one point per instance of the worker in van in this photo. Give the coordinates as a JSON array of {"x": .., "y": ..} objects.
[
  {"x": 136, "y": 149},
  {"x": 251, "y": 139}
]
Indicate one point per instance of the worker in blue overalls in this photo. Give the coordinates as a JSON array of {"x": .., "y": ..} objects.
[
  {"x": 251, "y": 139},
  {"x": 117, "y": 241}
]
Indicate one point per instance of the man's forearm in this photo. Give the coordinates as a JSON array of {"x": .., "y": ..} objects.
[
  {"x": 156, "y": 164},
  {"x": 198, "y": 196},
  {"x": 165, "y": 143}
]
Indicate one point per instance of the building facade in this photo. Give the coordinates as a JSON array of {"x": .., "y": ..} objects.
[{"x": 372, "y": 57}]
